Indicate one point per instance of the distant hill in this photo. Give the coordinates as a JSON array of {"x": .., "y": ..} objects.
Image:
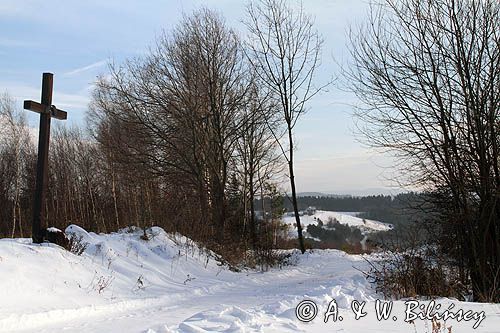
[
  {"x": 320, "y": 194},
  {"x": 393, "y": 209},
  {"x": 362, "y": 192}
]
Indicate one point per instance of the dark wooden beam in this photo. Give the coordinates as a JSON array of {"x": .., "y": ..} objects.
[
  {"x": 58, "y": 114},
  {"x": 46, "y": 111},
  {"x": 39, "y": 223},
  {"x": 39, "y": 108}
]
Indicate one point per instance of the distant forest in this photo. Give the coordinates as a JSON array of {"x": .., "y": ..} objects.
[{"x": 398, "y": 209}]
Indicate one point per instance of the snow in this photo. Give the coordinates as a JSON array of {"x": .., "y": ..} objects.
[
  {"x": 122, "y": 283},
  {"x": 349, "y": 218},
  {"x": 53, "y": 229}
]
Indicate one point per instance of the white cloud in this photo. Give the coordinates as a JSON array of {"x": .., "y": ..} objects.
[
  {"x": 86, "y": 68},
  {"x": 60, "y": 99}
]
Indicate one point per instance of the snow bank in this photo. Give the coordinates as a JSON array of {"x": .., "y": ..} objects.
[{"x": 122, "y": 283}]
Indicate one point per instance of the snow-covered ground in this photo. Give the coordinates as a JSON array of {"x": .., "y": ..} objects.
[
  {"x": 122, "y": 283},
  {"x": 348, "y": 218}
]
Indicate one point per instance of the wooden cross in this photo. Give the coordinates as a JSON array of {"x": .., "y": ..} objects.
[{"x": 47, "y": 111}]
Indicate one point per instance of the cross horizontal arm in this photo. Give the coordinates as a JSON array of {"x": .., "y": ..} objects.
[{"x": 40, "y": 108}]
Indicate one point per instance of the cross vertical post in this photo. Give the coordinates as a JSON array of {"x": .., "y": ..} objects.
[
  {"x": 42, "y": 163},
  {"x": 46, "y": 110}
]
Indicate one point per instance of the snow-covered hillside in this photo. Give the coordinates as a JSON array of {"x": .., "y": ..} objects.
[
  {"x": 122, "y": 283},
  {"x": 348, "y": 218}
]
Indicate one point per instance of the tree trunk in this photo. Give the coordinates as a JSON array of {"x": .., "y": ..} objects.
[
  {"x": 113, "y": 191},
  {"x": 294, "y": 193},
  {"x": 253, "y": 235}
]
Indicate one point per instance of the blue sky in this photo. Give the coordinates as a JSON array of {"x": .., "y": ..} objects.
[{"x": 76, "y": 39}]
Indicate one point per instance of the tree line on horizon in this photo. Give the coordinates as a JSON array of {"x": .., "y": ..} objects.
[{"x": 398, "y": 210}]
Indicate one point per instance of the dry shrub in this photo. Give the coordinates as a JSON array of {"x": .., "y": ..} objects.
[
  {"x": 408, "y": 267},
  {"x": 410, "y": 275},
  {"x": 268, "y": 258},
  {"x": 76, "y": 244}
]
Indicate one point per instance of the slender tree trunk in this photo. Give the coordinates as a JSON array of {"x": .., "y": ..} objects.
[
  {"x": 253, "y": 233},
  {"x": 294, "y": 193},
  {"x": 20, "y": 221},
  {"x": 13, "y": 232},
  {"x": 113, "y": 190}
]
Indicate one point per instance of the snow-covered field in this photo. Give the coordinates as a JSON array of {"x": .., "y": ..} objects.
[
  {"x": 124, "y": 284},
  {"x": 348, "y": 218}
]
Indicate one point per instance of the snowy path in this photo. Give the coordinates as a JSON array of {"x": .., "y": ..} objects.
[{"x": 64, "y": 299}]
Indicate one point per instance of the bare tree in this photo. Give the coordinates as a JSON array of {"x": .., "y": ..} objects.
[
  {"x": 257, "y": 149},
  {"x": 16, "y": 148},
  {"x": 177, "y": 112},
  {"x": 284, "y": 50},
  {"x": 429, "y": 74}
]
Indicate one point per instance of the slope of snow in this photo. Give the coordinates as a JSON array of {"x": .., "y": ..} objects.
[
  {"x": 348, "y": 218},
  {"x": 122, "y": 283}
]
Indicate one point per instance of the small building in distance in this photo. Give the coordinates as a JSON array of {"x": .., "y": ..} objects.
[{"x": 311, "y": 210}]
